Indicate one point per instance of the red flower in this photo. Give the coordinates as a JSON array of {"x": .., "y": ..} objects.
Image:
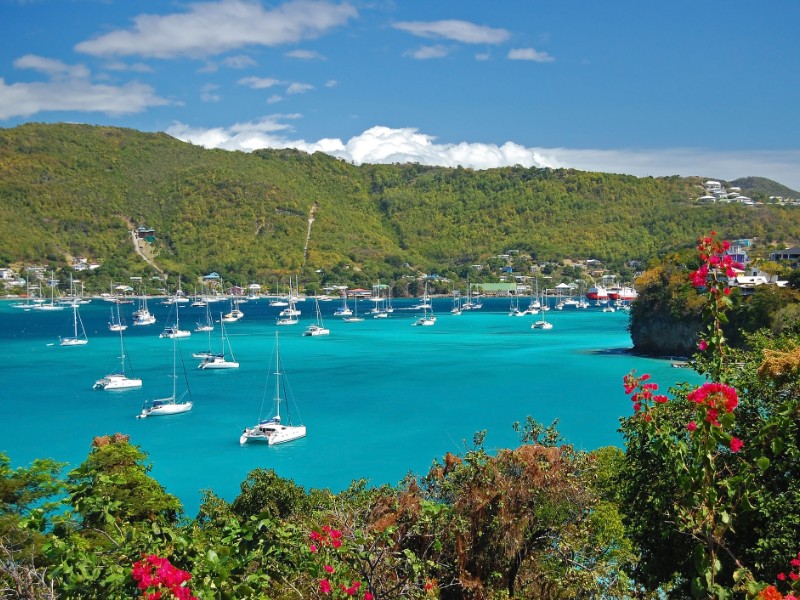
[
  {"x": 368, "y": 596},
  {"x": 736, "y": 445},
  {"x": 702, "y": 345},
  {"x": 313, "y": 548},
  {"x": 781, "y": 576},
  {"x": 691, "y": 426},
  {"x": 328, "y": 568},
  {"x": 325, "y": 586}
]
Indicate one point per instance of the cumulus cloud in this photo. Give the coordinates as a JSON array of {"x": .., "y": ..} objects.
[
  {"x": 69, "y": 88},
  {"x": 240, "y": 61},
  {"x": 402, "y": 145},
  {"x": 299, "y": 88},
  {"x": 426, "y": 52},
  {"x": 259, "y": 83},
  {"x": 456, "y": 30},
  {"x": 305, "y": 55},
  {"x": 211, "y": 28},
  {"x": 529, "y": 54}
]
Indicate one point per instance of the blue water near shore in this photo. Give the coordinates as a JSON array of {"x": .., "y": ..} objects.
[{"x": 380, "y": 398}]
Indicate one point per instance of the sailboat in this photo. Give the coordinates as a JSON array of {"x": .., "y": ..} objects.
[
  {"x": 171, "y": 405},
  {"x": 343, "y": 310},
  {"x": 354, "y": 318},
  {"x": 175, "y": 331},
  {"x": 427, "y": 319},
  {"x": 317, "y": 328},
  {"x": 542, "y": 323},
  {"x": 52, "y": 304},
  {"x": 218, "y": 361},
  {"x": 116, "y": 323},
  {"x": 206, "y": 323},
  {"x": 77, "y": 339},
  {"x": 142, "y": 315},
  {"x": 118, "y": 381},
  {"x": 273, "y": 430},
  {"x": 234, "y": 315}
]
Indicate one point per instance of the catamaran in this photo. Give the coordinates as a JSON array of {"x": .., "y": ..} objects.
[{"x": 273, "y": 430}]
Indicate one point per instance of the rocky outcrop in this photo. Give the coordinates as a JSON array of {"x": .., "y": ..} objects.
[{"x": 659, "y": 335}]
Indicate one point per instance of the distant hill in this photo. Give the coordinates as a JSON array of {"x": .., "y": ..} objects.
[
  {"x": 78, "y": 190},
  {"x": 765, "y": 187}
]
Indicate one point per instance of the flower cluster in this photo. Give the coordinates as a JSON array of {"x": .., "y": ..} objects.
[
  {"x": 327, "y": 537},
  {"x": 715, "y": 257},
  {"x": 324, "y": 542},
  {"x": 717, "y": 398},
  {"x": 771, "y": 592},
  {"x": 642, "y": 392},
  {"x": 158, "y": 579}
]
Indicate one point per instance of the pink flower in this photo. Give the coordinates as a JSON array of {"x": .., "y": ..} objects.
[
  {"x": 702, "y": 345},
  {"x": 691, "y": 426},
  {"x": 736, "y": 444},
  {"x": 313, "y": 548},
  {"x": 781, "y": 576},
  {"x": 325, "y": 586},
  {"x": 368, "y": 596},
  {"x": 328, "y": 568}
]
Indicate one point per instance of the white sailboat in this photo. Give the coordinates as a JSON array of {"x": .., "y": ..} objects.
[
  {"x": 354, "y": 318},
  {"x": 116, "y": 323},
  {"x": 52, "y": 304},
  {"x": 273, "y": 430},
  {"x": 317, "y": 328},
  {"x": 218, "y": 361},
  {"x": 119, "y": 380},
  {"x": 234, "y": 315},
  {"x": 542, "y": 323},
  {"x": 78, "y": 332},
  {"x": 427, "y": 319},
  {"x": 206, "y": 323},
  {"x": 142, "y": 315},
  {"x": 171, "y": 405},
  {"x": 175, "y": 331},
  {"x": 343, "y": 310}
]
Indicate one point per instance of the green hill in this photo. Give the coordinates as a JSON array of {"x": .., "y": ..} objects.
[{"x": 78, "y": 190}]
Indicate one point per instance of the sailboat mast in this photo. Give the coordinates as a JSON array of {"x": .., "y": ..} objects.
[{"x": 277, "y": 378}]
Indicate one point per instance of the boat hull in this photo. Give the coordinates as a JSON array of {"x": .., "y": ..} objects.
[
  {"x": 165, "y": 409},
  {"x": 117, "y": 382},
  {"x": 272, "y": 434}
]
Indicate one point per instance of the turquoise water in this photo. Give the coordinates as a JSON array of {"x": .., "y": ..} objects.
[{"x": 380, "y": 398}]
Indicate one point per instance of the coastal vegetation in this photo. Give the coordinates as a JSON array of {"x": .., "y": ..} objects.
[
  {"x": 79, "y": 191},
  {"x": 702, "y": 501}
]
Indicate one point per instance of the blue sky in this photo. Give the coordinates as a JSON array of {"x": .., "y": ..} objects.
[{"x": 707, "y": 88}]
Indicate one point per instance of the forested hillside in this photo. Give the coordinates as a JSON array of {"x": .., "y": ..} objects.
[{"x": 77, "y": 190}]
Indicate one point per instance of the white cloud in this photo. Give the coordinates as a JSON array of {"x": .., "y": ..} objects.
[
  {"x": 208, "y": 93},
  {"x": 259, "y": 83},
  {"x": 387, "y": 145},
  {"x": 331, "y": 83},
  {"x": 240, "y": 61},
  {"x": 305, "y": 55},
  {"x": 55, "y": 69},
  {"x": 274, "y": 99},
  {"x": 459, "y": 31},
  {"x": 529, "y": 54},
  {"x": 210, "y": 28},
  {"x": 69, "y": 88},
  {"x": 426, "y": 52},
  {"x": 299, "y": 88}
]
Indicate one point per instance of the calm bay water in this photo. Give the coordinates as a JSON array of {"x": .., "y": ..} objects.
[{"x": 380, "y": 398}]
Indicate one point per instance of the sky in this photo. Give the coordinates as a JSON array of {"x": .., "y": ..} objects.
[{"x": 705, "y": 88}]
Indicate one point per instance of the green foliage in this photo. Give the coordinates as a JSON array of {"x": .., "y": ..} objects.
[{"x": 77, "y": 190}]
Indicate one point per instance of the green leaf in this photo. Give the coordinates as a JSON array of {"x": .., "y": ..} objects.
[
  {"x": 777, "y": 445},
  {"x": 763, "y": 463}
]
